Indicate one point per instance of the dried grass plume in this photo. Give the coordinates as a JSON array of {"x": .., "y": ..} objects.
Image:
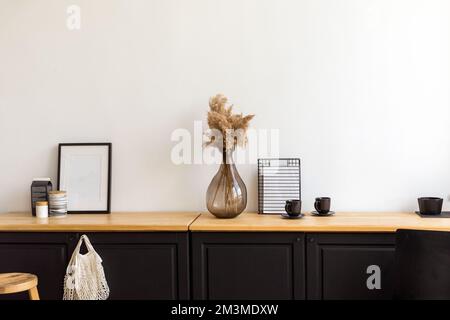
[{"x": 232, "y": 127}]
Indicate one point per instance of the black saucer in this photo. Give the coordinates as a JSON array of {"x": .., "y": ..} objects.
[
  {"x": 329, "y": 213},
  {"x": 443, "y": 214},
  {"x": 286, "y": 216}
]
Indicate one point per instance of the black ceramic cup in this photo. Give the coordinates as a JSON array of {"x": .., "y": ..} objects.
[
  {"x": 293, "y": 207},
  {"x": 322, "y": 205},
  {"x": 430, "y": 205}
]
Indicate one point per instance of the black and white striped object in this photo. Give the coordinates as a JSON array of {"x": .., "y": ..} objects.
[{"x": 278, "y": 181}]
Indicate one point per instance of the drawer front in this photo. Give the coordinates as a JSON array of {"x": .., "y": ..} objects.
[
  {"x": 248, "y": 266},
  {"x": 144, "y": 266},
  {"x": 42, "y": 254},
  {"x": 350, "y": 266}
]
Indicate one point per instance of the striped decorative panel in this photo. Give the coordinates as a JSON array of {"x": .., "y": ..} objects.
[{"x": 278, "y": 181}]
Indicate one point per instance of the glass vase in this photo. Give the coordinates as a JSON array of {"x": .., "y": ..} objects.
[{"x": 227, "y": 194}]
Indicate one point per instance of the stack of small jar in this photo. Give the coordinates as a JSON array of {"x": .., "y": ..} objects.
[
  {"x": 57, "y": 203},
  {"x": 55, "y": 207}
]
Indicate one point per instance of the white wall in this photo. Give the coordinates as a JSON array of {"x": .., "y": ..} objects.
[{"x": 358, "y": 88}]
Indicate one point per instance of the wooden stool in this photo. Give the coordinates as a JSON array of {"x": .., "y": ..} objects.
[{"x": 19, "y": 282}]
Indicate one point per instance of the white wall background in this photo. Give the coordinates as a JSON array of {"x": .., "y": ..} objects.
[{"x": 358, "y": 88}]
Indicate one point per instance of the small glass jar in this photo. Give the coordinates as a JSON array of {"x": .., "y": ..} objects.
[{"x": 42, "y": 209}]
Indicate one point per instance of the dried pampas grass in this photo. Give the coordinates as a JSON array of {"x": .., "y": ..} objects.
[{"x": 232, "y": 127}]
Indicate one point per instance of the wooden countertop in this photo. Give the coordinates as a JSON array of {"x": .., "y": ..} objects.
[
  {"x": 117, "y": 221},
  {"x": 246, "y": 222},
  {"x": 340, "y": 222}
]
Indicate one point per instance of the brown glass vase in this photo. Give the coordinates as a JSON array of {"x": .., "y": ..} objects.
[{"x": 227, "y": 194}]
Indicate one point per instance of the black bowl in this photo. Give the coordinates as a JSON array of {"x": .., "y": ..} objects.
[{"x": 430, "y": 205}]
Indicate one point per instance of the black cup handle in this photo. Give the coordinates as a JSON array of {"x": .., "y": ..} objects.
[
  {"x": 316, "y": 204},
  {"x": 288, "y": 207}
]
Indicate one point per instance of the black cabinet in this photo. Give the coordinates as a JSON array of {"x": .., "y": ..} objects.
[
  {"x": 248, "y": 266},
  {"x": 227, "y": 265},
  {"x": 43, "y": 254},
  {"x": 147, "y": 266},
  {"x": 350, "y": 266}
]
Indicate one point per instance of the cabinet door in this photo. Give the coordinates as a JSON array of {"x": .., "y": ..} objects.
[
  {"x": 144, "y": 265},
  {"x": 350, "y": 266},
  {"x": 248, "y": 265},
  {"x": 42, "y": 254}
]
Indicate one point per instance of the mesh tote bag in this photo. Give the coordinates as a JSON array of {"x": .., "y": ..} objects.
[{"x": 85, "y": 278}]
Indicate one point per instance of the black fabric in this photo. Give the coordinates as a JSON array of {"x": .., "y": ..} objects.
[{"x": 422, "y": 265}]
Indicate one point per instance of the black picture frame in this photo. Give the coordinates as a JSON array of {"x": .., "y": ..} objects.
[{"x": 107, "y": 144}]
